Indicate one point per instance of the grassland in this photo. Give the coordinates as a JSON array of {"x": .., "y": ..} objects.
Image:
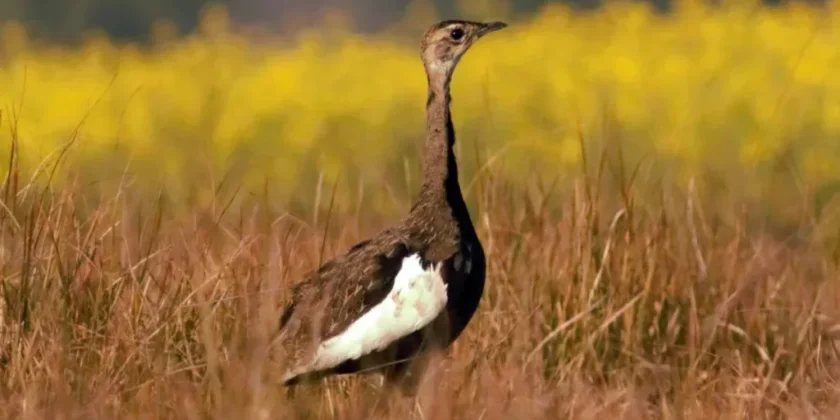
[{"x": 656, "y": 197}]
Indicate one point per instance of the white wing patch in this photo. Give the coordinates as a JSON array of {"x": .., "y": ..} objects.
[{"x": 417, "y": 297}]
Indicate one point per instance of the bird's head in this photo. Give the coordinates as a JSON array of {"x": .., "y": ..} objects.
[{"x": 445, "y": 42}]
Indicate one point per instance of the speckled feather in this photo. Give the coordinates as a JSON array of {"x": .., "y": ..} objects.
[{"x": 326, "y": 302}]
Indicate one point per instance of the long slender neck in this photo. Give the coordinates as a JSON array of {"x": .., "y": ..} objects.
[{"x": 439, "y": 167}]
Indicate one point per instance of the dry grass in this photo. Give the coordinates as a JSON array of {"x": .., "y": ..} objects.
[{"x": 607, "y": 297}]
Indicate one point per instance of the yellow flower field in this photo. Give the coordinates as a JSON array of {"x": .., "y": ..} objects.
[{"x": 733, "y": 89}]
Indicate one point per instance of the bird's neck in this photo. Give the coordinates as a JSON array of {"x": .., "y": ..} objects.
[{"x": 440, "y": 169}]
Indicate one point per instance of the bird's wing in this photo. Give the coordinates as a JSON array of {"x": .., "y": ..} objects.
[{"x": 378, "y": 292}]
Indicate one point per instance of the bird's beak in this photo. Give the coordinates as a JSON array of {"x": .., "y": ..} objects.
[{"x": 490, "y": 27}]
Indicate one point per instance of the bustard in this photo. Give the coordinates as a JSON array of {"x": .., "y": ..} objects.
[{"x": 413, "y": 286}]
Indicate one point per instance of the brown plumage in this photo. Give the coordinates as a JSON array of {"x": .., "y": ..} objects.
[{"x": 438, "y": 230}]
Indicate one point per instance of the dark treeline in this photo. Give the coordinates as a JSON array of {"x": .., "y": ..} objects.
[{"x": 67, "y": 20}]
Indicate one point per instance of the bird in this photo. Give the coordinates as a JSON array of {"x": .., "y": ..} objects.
[{"x": 412, "y": 287}]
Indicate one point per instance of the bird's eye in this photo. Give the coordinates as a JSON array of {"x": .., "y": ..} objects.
[{"x": 457, "y": 34}]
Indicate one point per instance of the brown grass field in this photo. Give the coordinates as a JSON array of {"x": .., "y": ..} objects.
[{"x": 607, "y": 297}]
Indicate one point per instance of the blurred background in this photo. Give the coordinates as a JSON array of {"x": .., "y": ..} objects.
[
  {"x": 285, "y": 97},
  {"x": 65, "y": 20}
]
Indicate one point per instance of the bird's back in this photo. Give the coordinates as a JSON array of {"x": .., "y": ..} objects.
[
  {"x": 345, "y": 317},
  {"x": 328, "y": 300}
]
